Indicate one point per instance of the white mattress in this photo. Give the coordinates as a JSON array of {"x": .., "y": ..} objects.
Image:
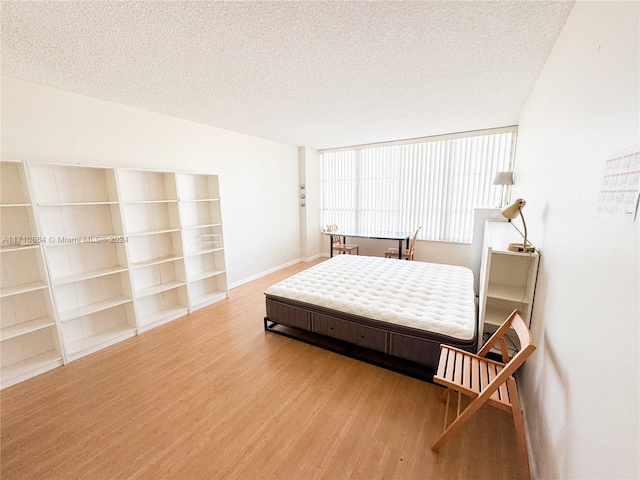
[{"x": 427, "y": 296}]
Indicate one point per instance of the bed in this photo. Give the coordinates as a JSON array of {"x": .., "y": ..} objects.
[{"x": 396, "y": 309}]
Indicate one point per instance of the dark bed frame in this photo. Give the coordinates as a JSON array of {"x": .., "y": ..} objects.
[{"x": 397, "y": 347}]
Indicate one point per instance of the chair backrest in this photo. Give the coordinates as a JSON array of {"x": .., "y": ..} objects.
[
  {"x": 335, "y": 239},
  {"x": 516, "y": 322},
  {"x": 412, "y": 245}
]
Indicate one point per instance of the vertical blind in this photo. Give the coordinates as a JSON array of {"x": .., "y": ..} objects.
[{"x": 430, "y": 183}]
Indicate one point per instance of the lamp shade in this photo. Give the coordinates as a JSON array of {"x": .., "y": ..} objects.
[
  {"x": 512, "y": 210},
  {"x": 503, "y": 178}
]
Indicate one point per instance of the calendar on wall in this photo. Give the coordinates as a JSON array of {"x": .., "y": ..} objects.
[{"x": 619, "y": 195}]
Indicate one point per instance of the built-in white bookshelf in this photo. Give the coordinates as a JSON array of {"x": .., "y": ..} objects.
[
  {"x": 153, "y": 231},
  {"x": 92, "y": 256},
  {"x": 79, "y": 213},
  {"x": 202, "y": 237},
  {"x": 28, "y": 330}
]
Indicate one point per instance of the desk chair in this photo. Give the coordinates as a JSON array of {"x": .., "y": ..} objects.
[
  {"x": 338, "y": 246},
  {"x": 486, "y": 381},
  {"x": 406, "y": 254}
]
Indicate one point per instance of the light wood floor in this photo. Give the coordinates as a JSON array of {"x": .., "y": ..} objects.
[{"x": 212, "y": 395}]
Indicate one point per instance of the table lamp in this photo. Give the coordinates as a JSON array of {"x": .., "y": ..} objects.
[
  {"x": 511, "y": 211},
  {"x": 503, "y": 179}
]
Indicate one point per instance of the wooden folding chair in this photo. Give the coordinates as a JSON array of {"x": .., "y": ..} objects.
[
  {"x": 338, "y": 246},
  {"x": 485, "y": 381}
]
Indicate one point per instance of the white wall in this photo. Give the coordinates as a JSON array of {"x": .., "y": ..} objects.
[
  {"x": 258, "y": 178},
  {"x": 309, "y": 176},
  {"x": 581, "y": 387}
]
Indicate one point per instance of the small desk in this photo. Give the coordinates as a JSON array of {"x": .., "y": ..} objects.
[{"x": 399, "y": 236}]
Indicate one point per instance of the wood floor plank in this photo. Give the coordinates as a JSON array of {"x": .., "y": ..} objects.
[{"x": 211, "y": 395}]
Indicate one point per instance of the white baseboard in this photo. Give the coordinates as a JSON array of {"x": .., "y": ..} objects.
[
  {"x": 315, "y": 257},
  {"x": 533, "y": 467},
  {"x": 275, "y": 269}
]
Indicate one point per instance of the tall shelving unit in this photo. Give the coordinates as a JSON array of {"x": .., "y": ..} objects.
[
  {"x": 507, "y": 278},
  {"x": 152, "y": 228},
  {"x": 92, "y": 256},
  {"x": 79, "y": 214},
  {"x": 28, "y": 331},
  {"x": 201, "y": 219}
]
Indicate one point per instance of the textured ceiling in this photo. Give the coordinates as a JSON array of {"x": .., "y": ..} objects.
[{"x": 320, "y": 74}]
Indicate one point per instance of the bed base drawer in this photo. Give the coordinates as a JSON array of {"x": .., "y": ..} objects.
[{"x": 360, "y": 335}]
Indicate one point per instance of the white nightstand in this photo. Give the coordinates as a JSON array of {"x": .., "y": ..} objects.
[{"x": 507, "y": 279}]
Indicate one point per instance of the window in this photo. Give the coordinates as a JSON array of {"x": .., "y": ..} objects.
[{"x": 433, "y": 182}]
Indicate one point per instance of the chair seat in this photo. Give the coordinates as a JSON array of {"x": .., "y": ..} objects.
[
  {"x": 473, "y": 377},
  {"x": 346, "y": 247},
  {"x": 393, "y": 252}
]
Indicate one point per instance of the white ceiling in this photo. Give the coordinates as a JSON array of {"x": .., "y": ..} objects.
[{"x": 321, "y": 74}]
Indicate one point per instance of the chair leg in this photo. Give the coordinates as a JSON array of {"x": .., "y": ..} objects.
[
  {"x": 518, "y": 421},
  {"x": 458, "y": 423},
  {"x": 446, "y": 409},
  {"x": 443, "y": 397}
]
